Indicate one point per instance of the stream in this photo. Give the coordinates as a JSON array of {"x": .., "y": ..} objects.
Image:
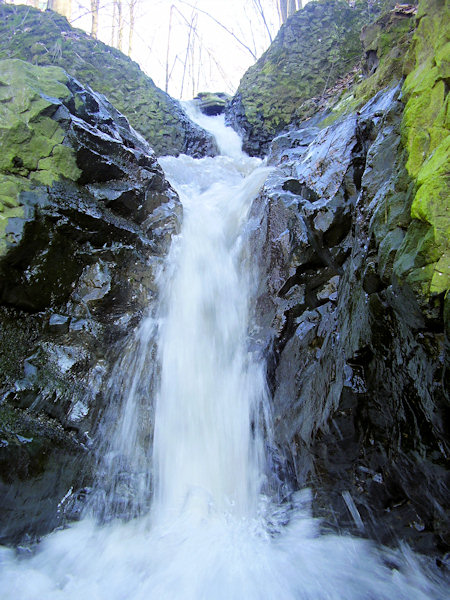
[{"x": 207, "y": 525}]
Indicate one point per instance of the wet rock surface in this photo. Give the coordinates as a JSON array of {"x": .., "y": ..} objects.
[
  {"x": 77, "y": 272},
  {"x": 357, "y": 363}
]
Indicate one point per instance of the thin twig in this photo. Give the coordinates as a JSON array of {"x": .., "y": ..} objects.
[{"x": 239, "y": 41}]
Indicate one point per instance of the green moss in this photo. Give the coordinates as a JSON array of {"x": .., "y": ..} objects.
[
  {"x": 10, "y": 204},
  {"x": 426, "y": 137},
  {"x": 31, "y": 142},
  {"x": 60, "y": 162},
  {"x": 348, "y": 104},
  {"x": 390, "y": 37},
  {"x": 416, "y": 250},
  {"x": 46, "y": 38},
  {"x": 313, "y": 49}
]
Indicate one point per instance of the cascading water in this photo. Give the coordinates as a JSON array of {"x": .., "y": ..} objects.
[{"x": 211, "y": 533}]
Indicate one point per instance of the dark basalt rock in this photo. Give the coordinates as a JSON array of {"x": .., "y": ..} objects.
[
  {"x": 77, "y": 272},
  {"x": 356, "y": 358}
]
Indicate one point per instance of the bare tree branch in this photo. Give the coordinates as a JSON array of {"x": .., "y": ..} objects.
[
  {"x": 239, "y": 41},
  {"x": 257, "y": 4}
]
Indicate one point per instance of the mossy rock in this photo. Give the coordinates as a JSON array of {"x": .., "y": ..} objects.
[
  {"x": 313, "y": 50},
  {"x": 419, "y": 49},
  {"x": 57, "y": 138},
  {"x": 33, "y": 150},
  {"x": 211, "y": 103},
  {"x": 386, "y": 43},
  {"x": 425, "y": 134},
  {"x": 46, "y": 38}
]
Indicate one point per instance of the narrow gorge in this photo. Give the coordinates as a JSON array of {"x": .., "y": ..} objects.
[{"x": 224, "y": 371}]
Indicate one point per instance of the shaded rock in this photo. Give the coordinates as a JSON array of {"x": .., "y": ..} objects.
[
  {"x": 212, "y": 104},
  {"x": 58, "y": 323},
  {"x": 88, "y": 218},
  {"x": 46, "y": 38}
]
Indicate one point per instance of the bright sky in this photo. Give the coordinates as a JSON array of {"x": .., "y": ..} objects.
[
  {"x": 193, "y": 45},
  {"x": 215, "y": 60}
]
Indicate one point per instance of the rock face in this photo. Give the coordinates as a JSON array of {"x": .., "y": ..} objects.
[
  {"x": 349, "y": 311},
  {"x": 46, "y": 38},
  {"x": 312, "y": 51},
  {"x": 424, "y": 258},
  {"x": 352, "y": 234},
  {"x": 86, "y": 220}
]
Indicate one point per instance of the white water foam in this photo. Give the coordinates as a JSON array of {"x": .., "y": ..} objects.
[{"x": 211, "y": 534}]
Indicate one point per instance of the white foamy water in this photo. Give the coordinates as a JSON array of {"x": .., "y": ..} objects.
[{"x": 207, "y": 535}]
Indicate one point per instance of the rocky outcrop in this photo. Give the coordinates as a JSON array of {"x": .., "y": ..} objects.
[
  {"x": 349, "y": 310},
  {"x": 46, "y": 38},
  {"x": 86, "y": 219},
  {"x": 314, "y": 49},
  {"x": 212, "y": 104}
]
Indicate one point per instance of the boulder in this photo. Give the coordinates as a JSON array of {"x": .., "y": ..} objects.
[
  {"x": 46, "y": 38},
  {"x": 313, "y": 50},
  {"x": 212, "y": 104},
  {"x": 86, "y": 220}
]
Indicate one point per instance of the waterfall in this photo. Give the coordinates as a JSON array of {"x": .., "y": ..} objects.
[
  {"x": 212, "y": 532},
  {"x": 210, "y": 387}
]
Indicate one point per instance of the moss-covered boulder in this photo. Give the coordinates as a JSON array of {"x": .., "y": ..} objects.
[
  {"x": 46, "y": 38},
  {"x": 211, "y": 103},
  {"x": 313, "y": 49},
  {"x": 86, "y": 218},
  {"x": 424, "y": 258},
  {"x": 33, "y": 152}
]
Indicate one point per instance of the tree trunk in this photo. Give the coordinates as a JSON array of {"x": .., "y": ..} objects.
[
  {"x": 292, "y": 7},
  {"x": 113, "y": 26},
  {"x": 168, "y": 49},
  {"x": 95, "y": 4},
  {"x": 63, "y": 7},
  {"x": 283, "y": 6},
  {"x": 132, "y": 8},
  {"x": 119, "y": 24}
]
